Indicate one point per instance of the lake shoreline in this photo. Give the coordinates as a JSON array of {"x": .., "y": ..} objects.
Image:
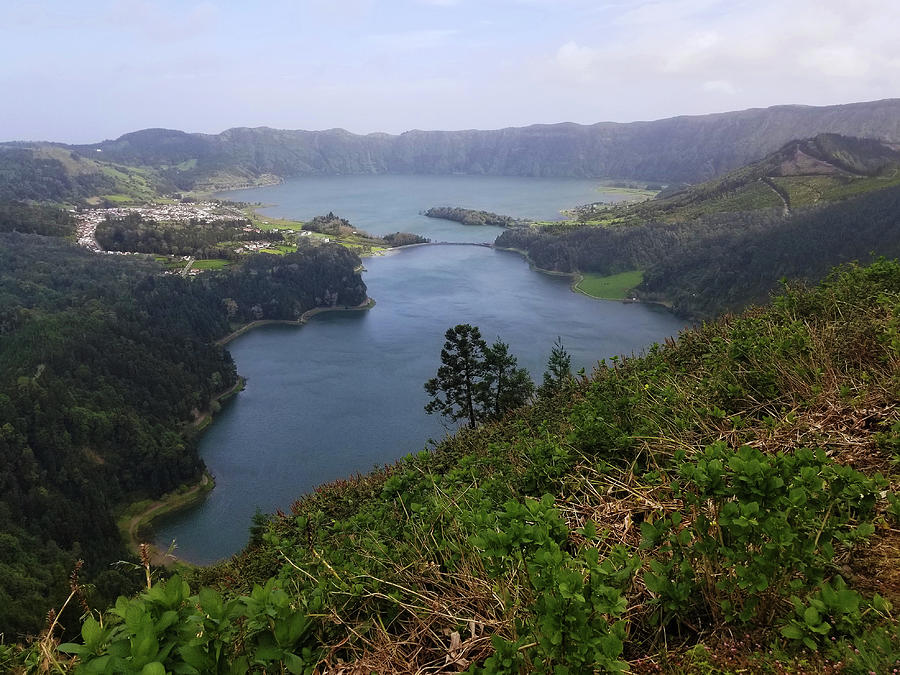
[
  {"x": 578, "y": 277},
  {"x": 132, "y": 524},
  {"x": 185, "y": 496},
  {"x": 136, "y": 517},
  {"x": 306, "y": 316},
  {"x": 329, "y": 402}
]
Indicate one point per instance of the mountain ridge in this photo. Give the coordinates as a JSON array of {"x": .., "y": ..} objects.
[{"x": 687, "y": 148}]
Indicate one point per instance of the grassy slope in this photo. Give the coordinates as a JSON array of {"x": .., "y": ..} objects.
[
  {"x": 682, "y": 512},
  {"x": 407, "y": 545},
  {"x": 133, "y": 185},
  {"x": 638, "y": 515},
  {"x": 612, "y": 287}
]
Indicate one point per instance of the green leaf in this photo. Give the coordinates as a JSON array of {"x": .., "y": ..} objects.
[
  {"x": 880, "y": 604},
  {"x": 167, "y": 619},
  {"x": 848, "y": 601},
  {"x": 798, "y": 496},
  {"x": 135, "y": 616},
  {"x": 211, "y": 602},
  {"x": 611, "y": 646},
  {"x": 184, "y": 669},
  {"x": 154, "y": 668},
  {"x": 194, "y": 656},
  {"x": 267, "y": 654},
  {"x": 289, "y": 630},
  {"x": 589, "y": 530},
  {"x": 92, "y": 633},
  {"x": 811, "y": 617},
  {"x": 294, "y": 664},
  {"x": 72, "y": 648},
  {"x": 793, "y": 632},
  {"x": 145, "y": 645},
  {"x": 97, "y": 665},
  {"x": 240, "y": 666}
]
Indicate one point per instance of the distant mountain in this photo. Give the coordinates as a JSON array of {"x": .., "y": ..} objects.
[{"x": 679, "y": 149}]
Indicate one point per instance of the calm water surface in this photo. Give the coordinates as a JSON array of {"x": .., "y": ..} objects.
[
  {"x": 383, "y": 204},
  {"x": 344, "y": 392}
]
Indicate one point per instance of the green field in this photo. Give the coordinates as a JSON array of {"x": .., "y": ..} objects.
[
  {"x": 270, "y": 223},
  {"x": 213, "y": 264},
  {"x": 613, "y": 287}
]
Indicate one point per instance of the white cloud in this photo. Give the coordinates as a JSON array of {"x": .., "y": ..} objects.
[
  {"x": 838, "y": 61},
  {"x": 692, "y": 52},
  {"x": 737, "y": 53},
  {"x": 720, "y": 87},
  {"x": 576, "y": 58}
]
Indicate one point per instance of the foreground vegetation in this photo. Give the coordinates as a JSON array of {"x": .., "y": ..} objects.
[{"x": 722, "y": 504}]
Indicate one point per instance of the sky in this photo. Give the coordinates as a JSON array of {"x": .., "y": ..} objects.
[{"x": 86, "y": 70}]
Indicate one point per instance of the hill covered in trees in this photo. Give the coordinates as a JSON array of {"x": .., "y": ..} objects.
[
  {"x": 104, "y": 364},
  {"x": 50, "y": 173},
  {"x": 471, "y": 216},
  {"x": 725, "y": 503}
]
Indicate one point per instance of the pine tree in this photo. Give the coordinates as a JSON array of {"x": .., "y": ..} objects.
[
  {"x": 507, "y": 385},
  {"x": 476, "y": 382},
  {"x": 559, "y": 370},
  {"x": 457, "y": 391}
]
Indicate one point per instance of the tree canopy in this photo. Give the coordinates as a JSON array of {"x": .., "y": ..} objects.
[{"x": 475, "y": 382}]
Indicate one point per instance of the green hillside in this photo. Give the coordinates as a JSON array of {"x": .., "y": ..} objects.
[
  {"x": 724, "y": 504},
  {"x": 801, "y": 174},
  {"x": 45, "y": 172},
  {"x": 720, "y": 245}
]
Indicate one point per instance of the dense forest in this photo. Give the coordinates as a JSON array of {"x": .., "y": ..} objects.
[
  {"x": 104, "y": 363},
  {"x": 31, "y": 218},
  {"x": 725, "y": 503}
]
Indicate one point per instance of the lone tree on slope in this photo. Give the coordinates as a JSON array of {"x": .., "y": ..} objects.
[
  {"x": 559, "y": 370},
  {"x": 476, "y": 382}
]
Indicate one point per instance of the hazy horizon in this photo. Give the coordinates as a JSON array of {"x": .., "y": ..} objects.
[
  {"x": 414, "y": 129},
  {"x": 96, "y": 70}
]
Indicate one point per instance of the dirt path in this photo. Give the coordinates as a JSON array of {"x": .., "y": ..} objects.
[{"x": 781, "y": 195}]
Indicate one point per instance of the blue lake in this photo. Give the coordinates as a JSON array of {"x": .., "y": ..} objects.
[
  {"x": 383, "y": 204},
  {"x": 345, "y": 392}
]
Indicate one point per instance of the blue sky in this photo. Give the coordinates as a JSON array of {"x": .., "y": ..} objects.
[{"x": 92, "y": 69}]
